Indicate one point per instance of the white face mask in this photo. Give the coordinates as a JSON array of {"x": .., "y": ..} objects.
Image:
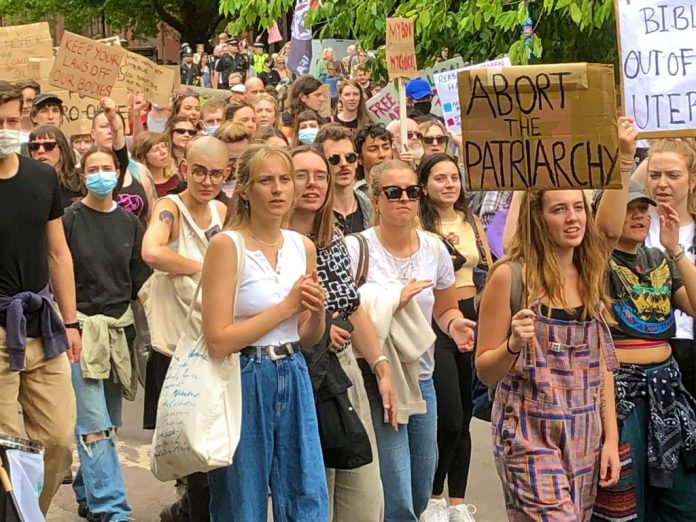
[{"x": 9, "y": 142}]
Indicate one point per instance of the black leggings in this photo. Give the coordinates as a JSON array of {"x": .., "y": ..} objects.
[
  {"x": 452, "y": 378},
  {"x": 683, "y": 352}
]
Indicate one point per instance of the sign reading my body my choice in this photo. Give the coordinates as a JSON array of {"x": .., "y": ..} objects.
[
  {"x": 658, "y": 65},
  {"x": 544, "y": 126}
]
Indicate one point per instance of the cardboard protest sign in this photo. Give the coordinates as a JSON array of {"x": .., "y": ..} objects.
[
  {"x": 383, "y": 107},
  {"x": 658, "y": 65},
  {"x": 140, "y": 74},
  {"x": 542, "y": 126},
  {"x": 325, "y": 109},
  {"x": 21, "y": 44},
  {"x": 400, "y": 50},
  {"x": 79, "y": 110},
  {"x": 18, "y": 43},
  {"x": 446, "y": 86},
  {"x": 85, "y": 66}
]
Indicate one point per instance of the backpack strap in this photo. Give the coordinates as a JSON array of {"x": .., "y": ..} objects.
[
  {"x": 517, "y": 288},
  {"x": 363, "y": 259},
  {"x": 483, "y": 260}
]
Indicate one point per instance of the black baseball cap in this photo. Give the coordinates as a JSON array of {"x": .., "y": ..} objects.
[{"x": 46, "y": 97}]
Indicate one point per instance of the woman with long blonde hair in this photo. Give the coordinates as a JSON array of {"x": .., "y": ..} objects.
[
  {"x": 279, "y": 309},
  {"x": 669, "y": 176},
  {"x": 408, "y": 283},
  {"x": 543, "y": 340}
]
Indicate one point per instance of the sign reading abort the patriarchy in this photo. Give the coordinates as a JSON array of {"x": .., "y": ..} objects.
[{"x": 543, "y": 126}]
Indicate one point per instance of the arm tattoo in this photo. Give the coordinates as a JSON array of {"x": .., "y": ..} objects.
[{"x": 166, "y": 217}]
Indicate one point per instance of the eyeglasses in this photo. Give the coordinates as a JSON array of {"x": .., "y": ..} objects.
[
  {"x": 319, "y": 177},
  {"x": 335, "y": 159},
  {"x": 414, "y": 134},
  {"x": 200, "y": 173},
  {"x": 48, "y": 146},
  {"x": 432, "y": 140},
  {"x": 190, "y": 132},
  {"x": 394, "y": 193}
]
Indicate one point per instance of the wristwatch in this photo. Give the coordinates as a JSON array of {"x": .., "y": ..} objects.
[
  {"x": 72, "y": 326},
  {"x": 377, "y": 361}
]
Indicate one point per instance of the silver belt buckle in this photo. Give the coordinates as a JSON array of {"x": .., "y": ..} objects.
[{"x": 272, "y": 354}]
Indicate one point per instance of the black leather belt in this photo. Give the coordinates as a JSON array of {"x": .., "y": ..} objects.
[{"x": 274, "y": 351}]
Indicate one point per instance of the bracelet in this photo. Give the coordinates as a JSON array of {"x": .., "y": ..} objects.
[
  {"x": 507, "y": 347},
  {"x": 72, "y": 326},
  {"x": 676, "y": 257},
  {"x": 378, "y": 360},
  {"x": 449, "y": 325}
]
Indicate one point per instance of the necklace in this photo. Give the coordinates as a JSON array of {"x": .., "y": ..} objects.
[
  {"x": 402, "y": 267},
  {"x": 265, "y": 243}
]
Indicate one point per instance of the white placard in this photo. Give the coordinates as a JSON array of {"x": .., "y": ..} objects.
[
  {"x": 446, "y": 85},
  {"x": 658, "y": 64}
]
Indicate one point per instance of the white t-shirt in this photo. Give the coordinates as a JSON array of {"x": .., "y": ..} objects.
[
  {"x": 685, "y": 324},
  {"x": 431, "y": 261}
]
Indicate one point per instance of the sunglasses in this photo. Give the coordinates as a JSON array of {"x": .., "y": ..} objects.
[
  {"x": 414, "y": 134},
  {"x": 335, "y": 159},
  {"x": 394, "y": 193},
  {"x": 48, "y": 146},
  {"x": 190, "y": 132},
  {"x": 432, "y": 140}
]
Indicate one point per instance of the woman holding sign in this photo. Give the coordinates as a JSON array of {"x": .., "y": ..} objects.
[
  {"x": 656, "y": 413},
  {"x": 554, "y": 423}
]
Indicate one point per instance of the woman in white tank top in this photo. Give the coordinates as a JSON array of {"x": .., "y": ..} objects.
[{"x": 279, "y": 308}]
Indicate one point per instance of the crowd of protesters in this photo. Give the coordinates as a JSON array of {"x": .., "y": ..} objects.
[{"x": 565, "y": 318}]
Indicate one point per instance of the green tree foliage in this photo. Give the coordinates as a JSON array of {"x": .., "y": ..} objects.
[
  {"x": 565, "y": 30},
  {"x": 195, "y": 20}
]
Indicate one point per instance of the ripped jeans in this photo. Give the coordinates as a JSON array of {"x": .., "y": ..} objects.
[{"x": 99, "y": 484}]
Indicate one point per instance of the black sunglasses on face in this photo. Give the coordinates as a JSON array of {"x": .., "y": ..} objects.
[
  {"x": 413, "y": 134},
  {"x": 393, "y": 193},
  {"x": 48, "y": 146},
  {"x": 190, "y": 132},
  {"x": 335, "y": 159},
  {"x": 432, "y": 140}
]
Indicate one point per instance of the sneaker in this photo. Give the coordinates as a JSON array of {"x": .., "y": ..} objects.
[
  {"x": 85, "y": 513},
  {"x": 436, "y": 511},
  {"x": 462, "y": 513}
]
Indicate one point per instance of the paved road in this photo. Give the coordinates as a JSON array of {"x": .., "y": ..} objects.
[{"x": 148, "y": 496}]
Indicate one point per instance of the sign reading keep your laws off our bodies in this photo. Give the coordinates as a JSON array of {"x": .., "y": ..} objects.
[
  {"x": 544, "y": 126},
  {"x": 657, "y": 43}
]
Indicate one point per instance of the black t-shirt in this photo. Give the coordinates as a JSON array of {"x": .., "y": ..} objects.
[
  {"x": 28, "y": 201},
  {"x": 105, "y": 248},
  {"x": 352, "y": 223},
  {"x": 225, "y": 66},
  {"x": 270, "y": 78},
  {"x": 642, "y": 286},
  {"x": 352, "y": 125}
]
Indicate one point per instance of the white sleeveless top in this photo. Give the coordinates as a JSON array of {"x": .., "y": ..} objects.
[
  {"x": 261, "y": 287},
  {"x": 192, "y": 241}
]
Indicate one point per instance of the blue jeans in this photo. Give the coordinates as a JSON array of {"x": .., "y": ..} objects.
[
  {"x": 279, "y": 447},
  {"x": 99, "y": 483},
  {"x": 408, "y": 457}
]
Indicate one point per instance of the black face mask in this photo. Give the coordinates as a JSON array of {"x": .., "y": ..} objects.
[{"x": 423, "y": 107}]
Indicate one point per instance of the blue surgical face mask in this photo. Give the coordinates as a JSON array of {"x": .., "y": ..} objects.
[
  {"x": 307, "y": 136},
  {"x": 211, "y": 130},
  {"x": 101, "y": 184}
]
